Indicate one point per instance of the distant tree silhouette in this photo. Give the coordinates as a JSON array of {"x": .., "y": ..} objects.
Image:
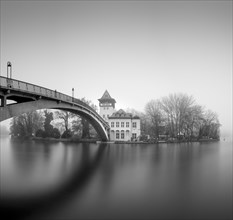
[
  {"x": 67, "y": 134},
  {"x": 65, "y": 117},
  {"x": 48, "y": 128},
  {"x": 26, "y": 124},
  {"x": 87, "y": 129},
  {"x": 40, "y": 133},
  {"x": 181, "y": 117},
  {"x": 154, "y": 113},
  {"x": 56, "y": 133},
  {"x": 77, "y": 127}
]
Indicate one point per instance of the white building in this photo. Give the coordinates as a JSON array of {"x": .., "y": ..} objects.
[{"x": 123, "y": 126}]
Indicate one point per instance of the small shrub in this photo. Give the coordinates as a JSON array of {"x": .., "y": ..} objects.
[
  {"x": 56, "y": 133},
  {"x": 67, "y": 134},
  {"x": 39, "y": 133}
]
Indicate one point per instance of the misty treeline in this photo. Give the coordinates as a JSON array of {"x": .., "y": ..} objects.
[
  {"x": 178, "y": 116},
  {"x": 53, "y": 124},
  {"x": 175, "y": 116}
]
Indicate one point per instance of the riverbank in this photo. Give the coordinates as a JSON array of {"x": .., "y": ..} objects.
[
  {"x": 76, "y": 140},
  {"x": 49, "y": 139},
  {"x": 79, "y": 140},
  {"x": 160, "y": 142}
]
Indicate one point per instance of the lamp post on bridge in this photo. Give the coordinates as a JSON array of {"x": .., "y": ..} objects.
[
  {"x": 9, "y": 69},
  {"x": 72, "y": 94}
]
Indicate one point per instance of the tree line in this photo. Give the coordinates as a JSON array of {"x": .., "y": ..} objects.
[
  {"x": 53, "y": 124},
  {"x": 176, "y": 116}
]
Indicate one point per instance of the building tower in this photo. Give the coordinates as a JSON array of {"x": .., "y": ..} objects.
[{"x": 107, "y": 105}]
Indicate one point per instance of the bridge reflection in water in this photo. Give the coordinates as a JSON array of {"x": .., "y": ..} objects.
[
  {"x": 29, "y": 97},
  {"x": 76, "y": 170}
]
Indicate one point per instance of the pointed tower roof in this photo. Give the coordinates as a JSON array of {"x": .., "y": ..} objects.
[{"x": 106, "y": 98}]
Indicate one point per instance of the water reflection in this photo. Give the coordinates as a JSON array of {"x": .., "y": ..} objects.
[
  {"x": 89, "y": 181},
  {"x": 64, "y": 169}
]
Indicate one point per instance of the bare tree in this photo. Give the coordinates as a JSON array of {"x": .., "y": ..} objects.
[
  {"x": 66, "y": 118},
  {"x": 26, "y": 124},
  {"x": 210, "y": 125},
  {"x": 77, "y": 127},
  {"x": 144, "y": 120},
  {"x": 154, "y": 114},
  {"x": 185, "y": 105},
  {"x": 87, "y": 129},
  {"x": 192, "y": 121},
  {"x": 177, "y": 108}
]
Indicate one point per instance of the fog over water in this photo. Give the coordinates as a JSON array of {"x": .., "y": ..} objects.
[{"x": 44, "y": 180}]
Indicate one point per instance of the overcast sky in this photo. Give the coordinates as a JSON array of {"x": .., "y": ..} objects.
[{"x": 137, "y": 50}]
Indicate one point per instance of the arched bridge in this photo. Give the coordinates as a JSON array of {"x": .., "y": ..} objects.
[{"x": 30, "y": 97}]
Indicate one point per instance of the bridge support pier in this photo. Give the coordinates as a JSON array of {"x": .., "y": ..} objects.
[{"x": 2, "y": 101}]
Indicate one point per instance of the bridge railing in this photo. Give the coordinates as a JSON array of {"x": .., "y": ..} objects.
[
  {"x": 21, "y": 86},
  {"x": 33, "y": 89}
]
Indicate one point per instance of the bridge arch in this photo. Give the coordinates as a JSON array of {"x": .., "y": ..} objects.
[
  {"x": 30, "y": 97},
  {"x": 13, "y": 110}
]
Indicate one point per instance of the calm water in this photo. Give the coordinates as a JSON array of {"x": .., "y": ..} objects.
[{"x": 41, "y": 180}]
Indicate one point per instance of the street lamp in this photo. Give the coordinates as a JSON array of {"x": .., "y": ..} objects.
[
  {"x": 9, "y": 69},
  {"x": 72, "y": 94}
]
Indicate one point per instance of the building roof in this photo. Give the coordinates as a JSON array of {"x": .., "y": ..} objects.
[
  {"x": 122, "y": 114},
  {"x": 106, "y": 98}
]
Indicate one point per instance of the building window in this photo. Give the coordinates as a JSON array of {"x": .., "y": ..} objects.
[
  {"x": 122, "y": 134},
  {"x": 127, "y": 124},
  {"x": 122, "y": 124},
  {"x": 134, "y": 124},
  {"x": 112, "y": 124},
  {"x": 117, "y": 134},
  {"x": 134, "y": 135},
  {"x": 103, "y": 116},
  {"x": 107, "y": 116},
  {"x": 117, "y": 124}
]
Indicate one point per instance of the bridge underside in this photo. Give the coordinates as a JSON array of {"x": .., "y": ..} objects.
[{"x": 26, "y": 105}]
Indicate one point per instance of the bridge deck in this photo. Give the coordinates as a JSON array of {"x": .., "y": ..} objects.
[{"x": 8, "y": 84}]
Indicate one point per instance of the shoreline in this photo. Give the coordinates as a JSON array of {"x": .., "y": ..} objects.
[
  {"x": 98, "y": 141},
  {"x": 165, "y": 142},
  {"x": 48, "y": 139},
  {"x": 74, "y": 140},
  {"x": 119, "y": 142}
]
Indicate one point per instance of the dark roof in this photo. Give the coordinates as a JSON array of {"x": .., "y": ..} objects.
[
  {"x": 122, "y": 114},
  {"x": 106, "y": 97}
]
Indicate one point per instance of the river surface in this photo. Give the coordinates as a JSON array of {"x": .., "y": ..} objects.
[{"x": 60, "y": 180}]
